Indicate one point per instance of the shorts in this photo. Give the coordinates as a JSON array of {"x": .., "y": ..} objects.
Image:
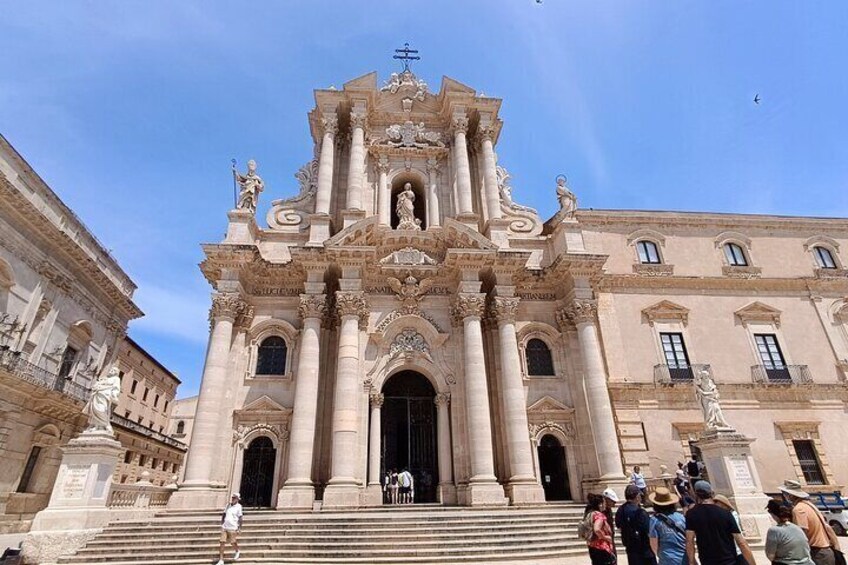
[
  {"x": 229, "y": 536},
  {"x": 405, "y": 490}
]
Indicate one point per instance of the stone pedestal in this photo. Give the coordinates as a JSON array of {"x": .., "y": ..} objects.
[
  {"x": 469, "y": 220},
  {"x": 242, "y": 229},
  {"x": 319, "y": 229},
  {"x": 77, "y": 510},
  {"x": 733, "y": 473},
  {"x": 350, "y": 217},
  {"x": 498, "y": 231},
  {"x": 485, "y": 494},
  {"x": 372, "y": 495}
]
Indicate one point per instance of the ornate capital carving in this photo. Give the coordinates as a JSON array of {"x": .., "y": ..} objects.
[
  {"x": 312, "y": 306},
  {"x": 432, "y": 165},
  {"x": 442, "y": 399},
  {"x": 580, "y": 311},
  {"x": 377, "y": 399},
  {"x": 485, "y": 133},
  {"x": 352, "y": 303},
  {"x": 245, "y": 318},
  {"x": 226, "y": 305},
  {"x": 504, "y": 309},
  {"x": 383, "y": 164},
  {"x": 459, "y": 124},
  {"x": 358, "y": 120},
  {"x": 331, "y": 124},
  {"x": 469, "y": 305}
]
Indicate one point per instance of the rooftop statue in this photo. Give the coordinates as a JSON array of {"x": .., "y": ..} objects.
[
  {"x": 250, "y": 185},
  {"x": 567, "y": 200},
  {"x": 104, "y": 394}
]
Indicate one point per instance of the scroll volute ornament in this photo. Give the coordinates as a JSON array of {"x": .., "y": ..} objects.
[
  {"x": 468, "y": 306},
  {"x": 442, "y": 399},
  {"x": 504, "y": 309},
  {"x": 352, "y": 303},
  {"x": 312, "y": 305},
  {"x": 227, "y": 305}
]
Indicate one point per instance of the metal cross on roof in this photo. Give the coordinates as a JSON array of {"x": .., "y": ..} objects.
[{"x": 406, "y": 55}]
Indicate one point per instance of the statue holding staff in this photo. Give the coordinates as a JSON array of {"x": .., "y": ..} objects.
[
  {"x": 104, "y": 394},
  {"x": 250, "y": 185}
]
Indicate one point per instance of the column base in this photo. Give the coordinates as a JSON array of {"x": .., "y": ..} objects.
[
  {"x": 320, "y": 226},
  {"x": 189, "y": 497},
  {"x": 300, "y": 497},
  {"x": 485, "y": 494},
  {"x": 341, "y": 496},
  {"x": 350, "y": 217},
  {"x": 525, "y": 493},
  {"x": 373, "y": 495},
  {"x": 447, "y": 494}
]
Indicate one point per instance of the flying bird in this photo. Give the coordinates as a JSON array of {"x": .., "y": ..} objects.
[{"x": 756, "y": 99}]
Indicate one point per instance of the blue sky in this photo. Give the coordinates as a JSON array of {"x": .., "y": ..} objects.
[{"x": 131, "y": 111}]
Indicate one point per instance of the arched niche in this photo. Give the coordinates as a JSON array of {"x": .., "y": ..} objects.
[{"x": 418, "y": 183}]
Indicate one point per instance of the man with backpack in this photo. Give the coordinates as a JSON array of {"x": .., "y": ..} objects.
[{"x": 634, "y": 524}]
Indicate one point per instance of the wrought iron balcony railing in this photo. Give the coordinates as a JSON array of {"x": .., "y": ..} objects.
[
  {"x": 781, "y": 374},
  {"x": 23, "y": 369},
  {"x": 670, "y": 374},
  {"x": 147, "y": 432}
]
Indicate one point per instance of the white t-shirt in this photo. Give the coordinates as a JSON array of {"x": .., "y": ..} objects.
[
  {"x": 407, "y": 480},
  {"x": 232, "y": 516}
]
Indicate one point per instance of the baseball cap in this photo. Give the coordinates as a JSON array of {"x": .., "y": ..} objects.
[
  {"x": 703, "y": 487},
  {"x": 609, "y": 493}
]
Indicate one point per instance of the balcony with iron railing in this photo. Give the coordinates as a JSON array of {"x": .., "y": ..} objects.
[
  {"x": 128, "y": 424},
  {"x": 781, "y": 374},
  {"x": 15, "y": 364},
  {"x": 665, "y": 374}
]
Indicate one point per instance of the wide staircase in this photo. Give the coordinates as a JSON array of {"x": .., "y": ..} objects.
[{"x": 409, "y": 534}]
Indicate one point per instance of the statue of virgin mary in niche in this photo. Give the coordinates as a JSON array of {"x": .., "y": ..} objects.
[{"x": 405, "y": 209}]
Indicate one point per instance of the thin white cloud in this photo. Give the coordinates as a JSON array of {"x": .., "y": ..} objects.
[{"x": 174, "y": 312}]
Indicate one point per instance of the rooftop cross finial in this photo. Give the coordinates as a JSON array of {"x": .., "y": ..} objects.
[{"x": 406, "y": 55}]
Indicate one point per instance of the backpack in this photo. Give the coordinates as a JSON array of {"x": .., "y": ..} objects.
[
  {"x": 693, "y": 470},
  {"x": 586, "y": 527},
  {"x": 633, "y": 536}
]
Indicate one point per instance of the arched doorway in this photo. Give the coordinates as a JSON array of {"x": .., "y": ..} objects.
[
  {"x": 553, "y": 469},
  {"x": 409, "y": 431},
  {"x": 257, "y": 477}
]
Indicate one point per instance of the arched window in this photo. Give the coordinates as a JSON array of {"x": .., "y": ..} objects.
[
  {"x": 180, "y": 427},
  {"x": 271, "y": 358},
  {"x": 735, "y": 255},
  {"x": 539, "y": 359},
  {"x": 648, "y": 252},
  {"x": 824, "y": 257}
]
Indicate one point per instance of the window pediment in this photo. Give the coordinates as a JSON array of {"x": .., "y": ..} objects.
[
  {"x": 759, "y": 312},
  {"x": 550, "y": 406},
  {"x": 666, "y": 311}
]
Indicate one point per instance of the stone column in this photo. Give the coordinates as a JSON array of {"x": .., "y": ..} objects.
[
  {"x": 343, "y": 490},
  {"x": 582, "y": 313},
  {"x": 463, "y": 168},
  {"x": 203, "y": 456},
  {"x": 384, "y": 197},
  {"x": 325, "y": 164},
  {"x": 522, "y": 487},
  {"x": 374, "y": 440},
  {"x": 433, "y": 193},
  {"x": 490, "y": 175},
  {"x": 483, "y": 488},
  {"x": 298, "y": 491},
  {"x": 357, "y": 161},
  {"x": 447, "y": 490}
]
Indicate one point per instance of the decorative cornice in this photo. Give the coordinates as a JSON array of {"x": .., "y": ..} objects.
[
  {"x": 468, "y": 305},
  {"x": 312, "y": 306},
  {"x": 759, "y": 312},
  {"x": 664, "y": 311},
  {"x": 504, "y": 309}
]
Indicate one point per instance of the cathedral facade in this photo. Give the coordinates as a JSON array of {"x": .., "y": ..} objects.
[{"x": 403, "y": 311}]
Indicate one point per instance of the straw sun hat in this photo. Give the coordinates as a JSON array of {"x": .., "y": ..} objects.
[{"x": 663, "y": 497}]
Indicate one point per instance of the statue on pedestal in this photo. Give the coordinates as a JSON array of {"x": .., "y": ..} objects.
[
  {"x": 567, "y": 199},
  {"x": 250, "y": 185},
  {"x": 707, "y": 394},
  {"x": 405, "y": 209},
  {"x": 104, "y": 394}
]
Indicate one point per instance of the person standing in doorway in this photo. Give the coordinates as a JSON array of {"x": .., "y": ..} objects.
[
  {"x": 230, "y": 527},
  {"x": 405, "y": 482},
  {"x": 805, "y": 515},
  {"x": 715, "y": 531},
  {"x": 634, "y": 524},
  {"x": 393, "y": 486}
]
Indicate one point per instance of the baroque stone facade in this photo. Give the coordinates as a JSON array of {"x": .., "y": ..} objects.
[{"x": 502, "y": 358}]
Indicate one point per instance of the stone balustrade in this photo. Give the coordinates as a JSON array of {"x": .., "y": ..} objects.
[{"x": 138, "y": 496}]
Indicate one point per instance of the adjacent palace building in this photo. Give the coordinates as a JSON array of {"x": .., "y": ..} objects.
[{"x": 402, "y": 310}]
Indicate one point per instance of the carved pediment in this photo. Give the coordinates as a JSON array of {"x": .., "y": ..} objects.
[
  {"x": 264, "y": 404},
  {"x": 759, "y": 312},
  {"x": 548, "y": 404},
  {"x": 665, "y": 311}
]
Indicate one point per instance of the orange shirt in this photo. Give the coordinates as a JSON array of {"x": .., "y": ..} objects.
[{"x": 808, "y": 518}]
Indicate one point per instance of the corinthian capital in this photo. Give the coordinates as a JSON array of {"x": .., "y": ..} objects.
[
  {"x": 358, "y": 119},
  {"x": 227, "y": 305},
  {"x": 312, "y": 305},
  {"x": 505, "y": 308},
  {"x": 469, "y": 305},
  {"x": 377, "y": 399},
  {"x": 383, "y": 164},
  {"x": 459, "y": 124},
  {"x": 442, "y": 399},
  {"x": 580, "y": 311},
  {"x": 485, "y": 133},
  {"x": 352, "y": 303},
  {"x": 331, "y": 124}
]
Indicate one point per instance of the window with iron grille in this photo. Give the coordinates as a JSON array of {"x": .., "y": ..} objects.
[
  {"x": 824, "y": 258},
  {"x": 735, "y": 255},
  {"x": 271, "y": 357},
  {"x": 539, "y": 359},
  {"x": 674, "y": 350},
  {"x": 809, "y": 461},
  {"x": 648, "y": 252}
]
